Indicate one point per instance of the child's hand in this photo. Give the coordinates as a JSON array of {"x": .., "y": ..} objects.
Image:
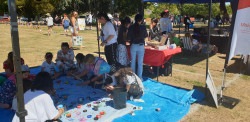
[{"x": 61, "y": 110}]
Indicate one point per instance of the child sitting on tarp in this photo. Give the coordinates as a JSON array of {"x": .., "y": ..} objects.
[
  {"x": 38, "y": 103},
  {"x": 65, "y": 58},
  {"x": 8, "y": 65},
  {"x": 49, "y": 66},
  {"x": 125, "y": 77},
  {"x": 97, "y": 66},
  {"x": 8, "y": 89},
  {"x": 80, "y": 67}
]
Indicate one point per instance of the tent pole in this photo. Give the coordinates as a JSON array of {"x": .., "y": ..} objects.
[
  {"x": 234, "y": 6},
  {"x": 21, "y": 113},
  {"x": 97, "y": 29},
  {"x": 208, "y": 40},
  {"x": 180, "y": 21}
]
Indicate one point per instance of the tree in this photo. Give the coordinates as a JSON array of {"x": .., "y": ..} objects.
[{"x": 3, "y": 6}]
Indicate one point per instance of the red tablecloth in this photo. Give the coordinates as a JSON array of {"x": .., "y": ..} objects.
[{"x": 155, "y": 57}]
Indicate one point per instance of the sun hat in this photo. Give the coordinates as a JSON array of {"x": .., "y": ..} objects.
[
  {"x": 48, "y": 14},
  {"x": 104, "y": 68}
]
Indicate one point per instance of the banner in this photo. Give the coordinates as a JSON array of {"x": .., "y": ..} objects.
[{"x": 241, "y": 33}]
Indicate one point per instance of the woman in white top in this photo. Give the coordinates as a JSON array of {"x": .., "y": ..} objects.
[
  {"x": 109, "y": 38},
  {"x": 50, "y": 23},
  {"x": 38, "y": 102}
]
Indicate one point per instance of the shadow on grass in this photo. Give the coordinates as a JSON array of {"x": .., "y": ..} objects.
[
  {"x": 188, "y": 59},
  {"x": 102, "y": 53},
  {"x": 226, "y": 101}
]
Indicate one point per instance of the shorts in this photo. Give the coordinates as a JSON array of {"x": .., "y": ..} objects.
[
  {"x": 66, "y": 28},
  {"x": 72, "y": 30},
  {"x": 196, "y": 46}
]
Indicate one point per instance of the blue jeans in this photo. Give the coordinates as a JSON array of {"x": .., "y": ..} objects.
[{"x": 137, "y": 50}]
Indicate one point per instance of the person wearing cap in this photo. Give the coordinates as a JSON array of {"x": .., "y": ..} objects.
[
  {"x": 165, "y": 23},
  {"x": 65, "y": 23},
  {"x": 136, "y": 36},
  {"x": 109, "y": 40},
  {"x": 8, "y": 89},
  {"x": 122, "y": 54},
  {"x": 127, "y": 79},
  {"x": 8, "y": 65},
  {"x": 50, "y": 23},
  {"x": 96, "y": 67}
]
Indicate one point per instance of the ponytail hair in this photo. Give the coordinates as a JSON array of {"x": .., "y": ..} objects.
[{"x": 138, "y": 18}]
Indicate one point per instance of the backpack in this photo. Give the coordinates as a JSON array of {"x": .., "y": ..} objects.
[{"x": 66, "y": 23}]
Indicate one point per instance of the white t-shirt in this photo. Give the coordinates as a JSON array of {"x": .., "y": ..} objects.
[
  {"x": 50, "y": 68},
  {"x": 90, "y": 18},
  {"x": 108, "y": 29},
  {"x": 165, "y": 25},
  {"x": 49, "y": 21},
  {"x": 39, "y": 106}
]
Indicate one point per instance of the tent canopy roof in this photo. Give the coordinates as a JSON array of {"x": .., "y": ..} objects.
[{"x": 184, "y": 1}]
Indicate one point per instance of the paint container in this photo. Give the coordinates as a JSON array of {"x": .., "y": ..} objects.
[
  {"x": 119, "y": 98},
  {"x": 157, "y": 109},
  {"x": 89, "y": 116},
  {"x": 68, "y": 115},
  {"x": 88, "y": 105},
  {"x": 96, "y": 107},
  {"x": 60, "y": 106},
  {"x": 99, "y": 116},
  {"x": 84, "y": 110},
  {"x": 102, "y": 113},
  {"x": 79, "y": 106}
]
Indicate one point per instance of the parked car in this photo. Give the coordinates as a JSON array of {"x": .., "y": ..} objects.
[{"x": 5, "y": 19}]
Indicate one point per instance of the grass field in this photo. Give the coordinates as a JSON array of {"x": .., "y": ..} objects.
[{"x": 188, "y": 71}]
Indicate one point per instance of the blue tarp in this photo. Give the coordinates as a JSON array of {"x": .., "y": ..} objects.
[
  {"x": 174, "y": 103},
  {"x": 184, "y": 1}
]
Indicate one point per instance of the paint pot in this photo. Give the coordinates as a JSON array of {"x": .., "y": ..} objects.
[
  {"x": 157, "y": 109},
  {"x": 95, "y": 118},
  {"x": 102, "y": 113},
  {"x": 89, "y": 116},
  {"x": 84, "y": 110},
  {"x": 99, "y": 116},
  {"x": 89, "y": 105},
  {"x": 119, "y": 98},
  {"x": 68, "y": 115},
  {"x": 79, "y": 106},
  {"x": 96, "y": 107},
  {"x": 60, "y": 106}
]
